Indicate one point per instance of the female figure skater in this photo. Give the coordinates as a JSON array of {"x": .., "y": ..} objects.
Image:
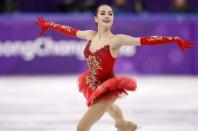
[{"x": 99, "y": 85}]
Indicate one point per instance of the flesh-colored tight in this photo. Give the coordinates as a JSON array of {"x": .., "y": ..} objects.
[{"x": 97, "y": 110}]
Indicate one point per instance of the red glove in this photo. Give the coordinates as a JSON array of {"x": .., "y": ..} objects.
[
  {"x": 45, "y": 24},
  {"x": 158, "y": 40}
]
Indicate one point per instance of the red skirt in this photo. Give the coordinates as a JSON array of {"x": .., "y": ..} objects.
[{"x": 114, "y": 87}]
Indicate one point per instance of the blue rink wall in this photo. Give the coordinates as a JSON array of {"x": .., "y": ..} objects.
[{"x": 24, "y": 52}]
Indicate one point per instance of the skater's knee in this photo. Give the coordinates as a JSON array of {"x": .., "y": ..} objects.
[
  {"x": 113, "y": 109},
  {"x": 82, "y": 127}
]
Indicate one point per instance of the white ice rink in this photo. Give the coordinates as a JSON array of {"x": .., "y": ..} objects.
[{"x": 53, "y": 103}]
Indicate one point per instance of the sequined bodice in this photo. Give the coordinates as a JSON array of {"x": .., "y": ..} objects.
[{"x": 100, "y": 63}]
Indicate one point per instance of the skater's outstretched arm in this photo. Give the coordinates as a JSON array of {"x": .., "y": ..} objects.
[
  {"x": 152, "y": 40},
  {"x": 66, "y": 30}
]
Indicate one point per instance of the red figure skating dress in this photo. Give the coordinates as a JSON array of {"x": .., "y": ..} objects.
[{"x": 99, "y": 82}]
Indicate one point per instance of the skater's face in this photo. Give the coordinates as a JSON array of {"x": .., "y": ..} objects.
[{"x": 104, "y": 16}]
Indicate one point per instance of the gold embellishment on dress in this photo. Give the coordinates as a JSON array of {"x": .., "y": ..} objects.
[{"x": 93, "y": 65}]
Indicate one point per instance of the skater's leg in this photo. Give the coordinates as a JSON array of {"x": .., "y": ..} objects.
[
  {"x": 94, "y": 113},
  {"x": 120, "y": 123},
  {"x": 116, "y": 113}
]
